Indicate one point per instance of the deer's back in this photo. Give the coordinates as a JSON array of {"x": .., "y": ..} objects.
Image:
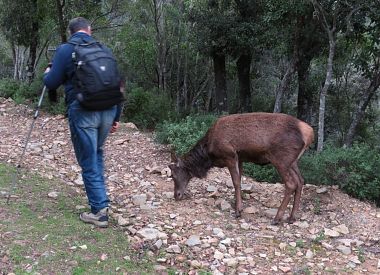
[{"x": 255, "y": 134}]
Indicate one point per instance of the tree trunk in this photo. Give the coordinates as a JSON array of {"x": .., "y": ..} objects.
[
  {"x": 220, "y": 82},
  {"x": 305, "y": 95},
  {"x": 244, "y": 71},
  {"x": 360, "y": 110},
  {"x": 61, "y": 21},
  {"x": 323, "y": 94},
  {"x": 33, "y": 53},
  {"x": 159, "y": 21},
  {"x": 283, "y": 86}
]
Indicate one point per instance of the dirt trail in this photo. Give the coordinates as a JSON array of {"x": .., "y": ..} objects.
[{"x": 335, "y": 233}]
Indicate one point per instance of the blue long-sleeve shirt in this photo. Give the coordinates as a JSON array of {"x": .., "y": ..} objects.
[{"x": 62, "y": 70}]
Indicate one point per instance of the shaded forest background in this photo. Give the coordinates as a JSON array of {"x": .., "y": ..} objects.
[{"x": 187, "y": 60}]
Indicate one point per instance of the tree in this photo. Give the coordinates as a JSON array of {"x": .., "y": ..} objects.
[
  {"x": 367, "y": 61},
  {"x": 213, "y": 21},
  {"x": 334, "y": 16}
]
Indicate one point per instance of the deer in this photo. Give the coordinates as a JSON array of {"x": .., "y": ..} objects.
[{"x": 261, "y": 138}]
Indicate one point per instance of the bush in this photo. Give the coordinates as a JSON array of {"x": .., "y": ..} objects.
[
  {"x": 355, "y": 170},
  {"x": 147, "y": 108},
  {"x": 261, "y": 173},
  {"x": 13, "y": 89},
  {"x": 183, "y": 135}
]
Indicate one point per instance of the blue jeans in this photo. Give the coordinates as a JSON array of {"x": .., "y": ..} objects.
[{"x": 89, "y": 130}]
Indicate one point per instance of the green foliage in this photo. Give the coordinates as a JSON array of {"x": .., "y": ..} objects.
[
  {"x": 183, "y": 135},
  {"x": 261, "y": 173},
  {"x": 17, "y": 90},
  {"x": 147, "y": 108},
  {"x": 56, "y": 223},
  {"x": 355, "y": 170}
]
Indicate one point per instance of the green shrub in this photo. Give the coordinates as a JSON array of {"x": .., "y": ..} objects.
[
  {"x": 261, "y": 173},
  {"x": 19, "y": 91},
  {"x": 355, "y": 170},
  {"x": 183, "y": 135},
  {"x": 147, "y": 108}
]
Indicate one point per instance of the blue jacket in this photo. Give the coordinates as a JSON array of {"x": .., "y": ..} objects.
[{"x": 62, "y": 70}]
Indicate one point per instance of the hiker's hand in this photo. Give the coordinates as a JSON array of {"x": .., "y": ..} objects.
[
  {"x": 115, "y": 126},
  {"x": 48, "y": 68}
]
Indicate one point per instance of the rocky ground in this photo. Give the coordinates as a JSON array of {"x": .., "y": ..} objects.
[{"x": 335, "y": 233}]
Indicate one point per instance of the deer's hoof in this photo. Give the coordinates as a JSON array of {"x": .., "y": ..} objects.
[
  {"x": 238, "y": 214},
  {"x": 291, "y": 220},
  {"x": 275, "y": 222}
]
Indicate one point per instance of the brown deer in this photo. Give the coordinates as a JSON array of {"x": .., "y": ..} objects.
[{"x": 261, "y": 138}]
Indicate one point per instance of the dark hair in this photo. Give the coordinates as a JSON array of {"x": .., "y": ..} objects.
[{"x": 78, "y": 23}]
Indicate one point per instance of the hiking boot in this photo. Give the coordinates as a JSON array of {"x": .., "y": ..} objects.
[{"x": 99, "y": 219}]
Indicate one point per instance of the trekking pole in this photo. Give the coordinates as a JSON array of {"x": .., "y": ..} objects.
[{"x": 15, "y": 174}]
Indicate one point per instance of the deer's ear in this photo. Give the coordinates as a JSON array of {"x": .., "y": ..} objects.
[{"x": 173, "y": 156}]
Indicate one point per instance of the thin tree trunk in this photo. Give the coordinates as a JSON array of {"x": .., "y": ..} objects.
[
  {"x": 220, "y": 82},
  {"x": 305, "y": 95},
  {"x": 360, "y": 110},
  {"x": 284, "y": 86},
  {"x": 244, "y": 71},
  {"x": 323, "y": 94},
  {"x": 159, "y": 21},
  {"x": 61, "y": 21}
]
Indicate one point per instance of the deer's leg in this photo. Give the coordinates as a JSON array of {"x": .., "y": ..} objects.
[
  {"x": 290, "y": 187},
  {"x": 297, "y": 197},
  {"x": 241, "y": 171},
  {"x": 233, "y": 167}
]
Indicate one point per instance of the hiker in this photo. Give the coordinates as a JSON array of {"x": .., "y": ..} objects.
[{"x": 93, "y": 108}]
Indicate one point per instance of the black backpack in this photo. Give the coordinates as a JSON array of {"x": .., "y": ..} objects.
[{"x": 96, "y": 77}]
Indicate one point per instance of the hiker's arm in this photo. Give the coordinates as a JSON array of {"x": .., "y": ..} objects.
[
  {"x": 54, "y": 77},
  {"x": 118, "y": 113},
  {"x": 116, "y": 123}
]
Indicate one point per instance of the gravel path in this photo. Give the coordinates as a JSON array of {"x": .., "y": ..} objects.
[{"x": 335, "y": 233}]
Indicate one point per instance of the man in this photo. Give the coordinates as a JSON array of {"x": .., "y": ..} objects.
[{"x": 89, "y": 129}]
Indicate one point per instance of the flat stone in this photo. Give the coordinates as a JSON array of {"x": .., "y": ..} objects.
[
  {"x": 231, "y": 262},
  {"x": 139, "y": 199},
  {"x": 344, "y": 249},
  {"x": 193, "y": 241},
  {"x": 346, "y": 242},
  {"x": 148, "y": 233},
  {"x": 285, "y": 269},
  {"x": 245, "y": 226},
  {"x": 303, "y": 224},
  {"x": 122, "y": 221},
  {"x": 195, "y": 264},
  {"x": 270, "y": 213},
  {"x": 224, "y": 205},
  {"x": 331, "y": 233},
  {"x": 342, "y": 228},
  {"x": 168, "y": 195},
  {"x": 212, "y": 188},
  {"x": 53, "y": 195},
  {"x": 247, "y": 188},
  {"x": 321, "y": 190},
  {"x": 354, "y": 259},
  {"x": 309, "y": 254},
  {"x": 159, "y": 268},
  {"x": 226, "y": 241},
  {"x": 157, "y": 245},
  {"x": 218, "y": 255},
  {"x": 173, "y": 249},
  {"x": 79, "y": 181},
  {"x": 251, "y": 210}
]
